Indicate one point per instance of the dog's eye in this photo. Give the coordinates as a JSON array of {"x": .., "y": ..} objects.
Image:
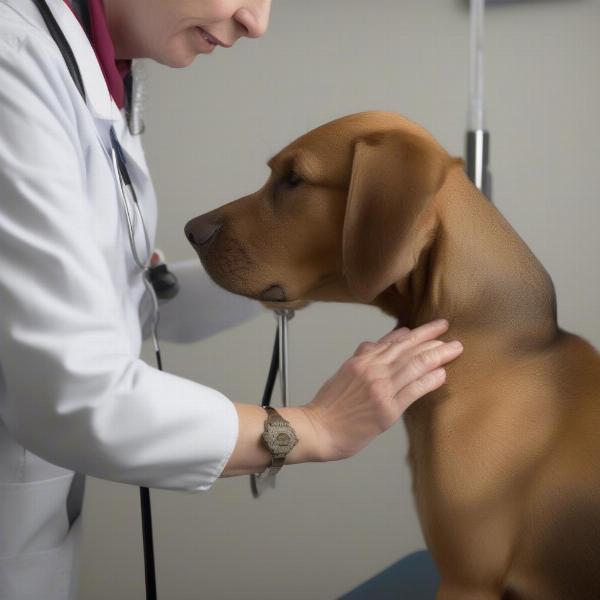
[{"x": 292, "y": 180}]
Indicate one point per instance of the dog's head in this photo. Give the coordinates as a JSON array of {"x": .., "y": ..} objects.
[{"x": 343, "y": 216}]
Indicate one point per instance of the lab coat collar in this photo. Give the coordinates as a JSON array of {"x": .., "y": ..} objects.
[{"x": 98, "y": 98}]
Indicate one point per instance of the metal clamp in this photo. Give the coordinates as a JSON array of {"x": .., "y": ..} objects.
[{"x": 478, "y": 153}]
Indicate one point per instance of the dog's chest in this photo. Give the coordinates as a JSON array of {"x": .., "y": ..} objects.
[
  {"x": 469, "y": 450},
  {"x": 465, "y": 494}
]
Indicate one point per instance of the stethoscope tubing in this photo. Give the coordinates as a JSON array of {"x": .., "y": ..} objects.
[{"x": 124, "y": 185}]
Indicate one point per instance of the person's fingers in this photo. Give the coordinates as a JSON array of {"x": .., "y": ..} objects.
[
  {"x": 394, "y": 345},
  {"x": 368, "y": 394},
  {"x": 395, "y": 351},
  {"x": 429, "y": 359},
  {"x": 375, "y": 348},
  {"x": 394, "y": 336},
  {"x": 366, "y": 348},
  {"x": 425, "y": 384},
  {"x": 424, "y": 332},
  {"x": 388, "y": 346}
]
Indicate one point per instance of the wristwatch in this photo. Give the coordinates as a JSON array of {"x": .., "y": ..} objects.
[{"x": 279, "y": 437}]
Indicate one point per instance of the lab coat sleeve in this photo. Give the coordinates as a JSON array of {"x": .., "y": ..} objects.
[
  {"x": 75, "y": 392},
  {"x": 201, "y": 308}
]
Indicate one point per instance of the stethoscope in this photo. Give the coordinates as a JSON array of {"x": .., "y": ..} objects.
[{"x": 159, "y": 282}]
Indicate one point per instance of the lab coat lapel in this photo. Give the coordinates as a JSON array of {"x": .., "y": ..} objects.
[{"x": 98, "y": 99}]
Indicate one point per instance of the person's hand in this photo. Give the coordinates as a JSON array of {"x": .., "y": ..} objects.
[{"x": 374, "y": 387}]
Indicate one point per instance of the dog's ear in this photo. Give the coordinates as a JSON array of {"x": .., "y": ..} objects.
[{"x": 395, "y": 176}]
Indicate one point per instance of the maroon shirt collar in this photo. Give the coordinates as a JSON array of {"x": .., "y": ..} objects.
[{"x": 113, "y": 70}]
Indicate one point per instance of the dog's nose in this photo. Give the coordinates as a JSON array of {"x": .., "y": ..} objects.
[{"x": 201, "y": 231}]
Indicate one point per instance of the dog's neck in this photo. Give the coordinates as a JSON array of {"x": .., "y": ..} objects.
[{"x": 477, "y": 273}]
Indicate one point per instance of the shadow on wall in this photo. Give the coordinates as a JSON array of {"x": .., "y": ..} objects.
[{"x": 414, "y": 577}]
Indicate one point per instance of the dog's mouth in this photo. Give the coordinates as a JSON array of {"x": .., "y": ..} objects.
[
  {"x": 274, "y": 293},
  {"x": 275, "y": 298}
]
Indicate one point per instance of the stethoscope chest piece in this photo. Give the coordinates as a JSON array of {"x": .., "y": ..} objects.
[{"x": 165, "y": 284}]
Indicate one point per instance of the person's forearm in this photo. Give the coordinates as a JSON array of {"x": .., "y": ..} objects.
[{"x": 251, "y": 455}]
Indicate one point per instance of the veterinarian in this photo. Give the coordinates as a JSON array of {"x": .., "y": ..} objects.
[{"x": 74, "y": 395}]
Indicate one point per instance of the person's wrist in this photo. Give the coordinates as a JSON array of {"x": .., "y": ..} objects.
[{"x": 308, "y": 448}]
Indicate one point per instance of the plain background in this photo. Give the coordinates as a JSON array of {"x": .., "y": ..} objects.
[{"x": 210, "y": 129}]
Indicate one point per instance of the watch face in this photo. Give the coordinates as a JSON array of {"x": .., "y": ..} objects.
[{"x": 280, "y": 439}]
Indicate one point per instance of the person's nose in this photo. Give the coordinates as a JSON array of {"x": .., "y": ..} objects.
[
  {"x": 201, "y": 231},
  {"x": 254, "y": 17}
]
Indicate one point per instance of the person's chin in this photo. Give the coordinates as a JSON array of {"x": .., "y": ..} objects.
[
  {"x": 178, "y": 60},
  {"x": 178, "y": 56}
]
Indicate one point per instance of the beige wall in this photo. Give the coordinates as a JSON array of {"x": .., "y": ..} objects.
[{"x": 210, "y": 129}]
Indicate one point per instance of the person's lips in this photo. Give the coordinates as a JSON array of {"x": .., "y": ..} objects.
[{"x": 211, "y": 39}]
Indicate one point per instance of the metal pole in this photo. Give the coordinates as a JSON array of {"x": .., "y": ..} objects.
[
  {"x": 478, "y": 153},
  {"x": 283, "y": 316},
  {"x": 477, "y": 137}
]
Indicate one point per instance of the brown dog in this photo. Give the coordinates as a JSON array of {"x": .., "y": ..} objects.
[{"x": 505, "y": 457}]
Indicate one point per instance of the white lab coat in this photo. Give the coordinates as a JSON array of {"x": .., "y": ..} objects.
[{"x": 74, "y": 395}]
